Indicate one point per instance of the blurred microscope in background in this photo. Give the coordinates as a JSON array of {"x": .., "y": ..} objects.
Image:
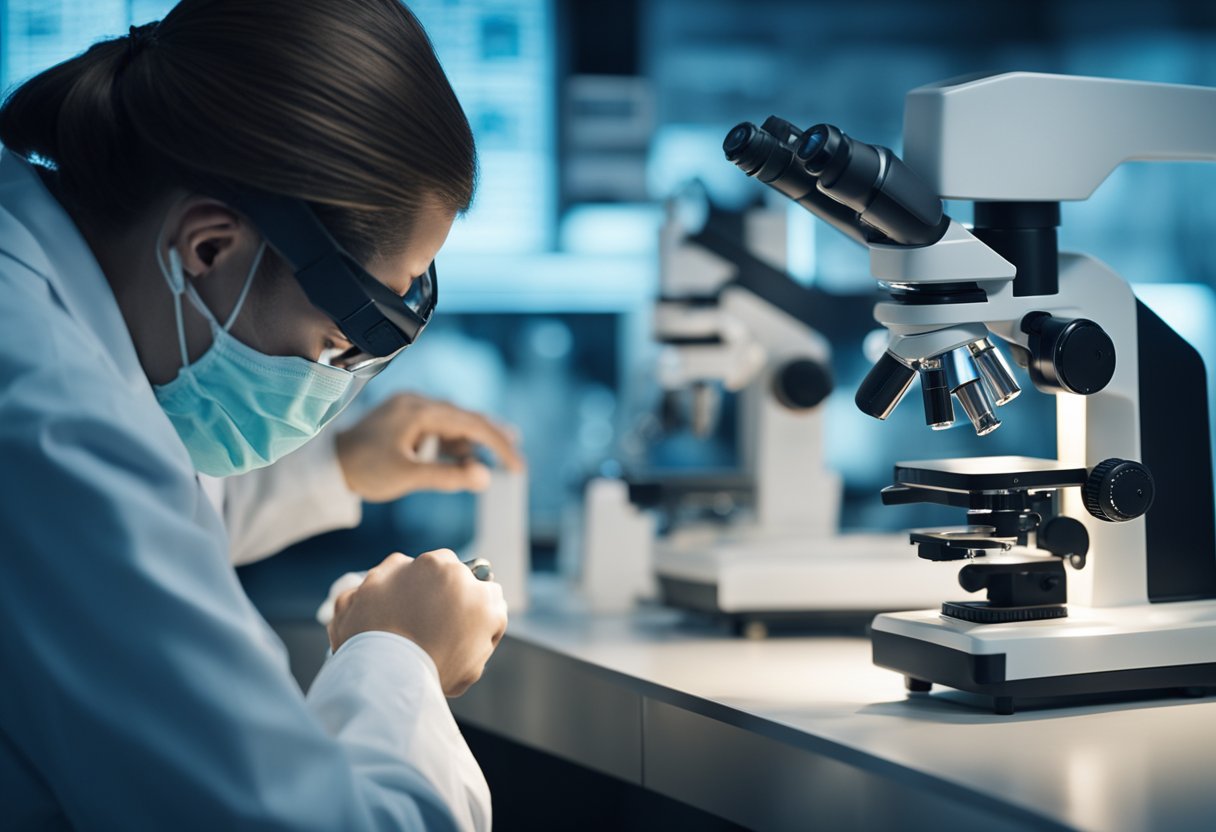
[{"x": 758, "y": 543}]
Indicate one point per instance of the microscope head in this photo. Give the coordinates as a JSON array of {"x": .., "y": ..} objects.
[{"x": 881, "y": 202}]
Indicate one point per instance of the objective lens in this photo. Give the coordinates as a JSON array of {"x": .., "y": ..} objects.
[
  {"x": 884, "y": 386},
  {"x": 974, "y": 399},
  {"x": 935, "y": 390},
  {"x": 967, "y": 384},
  {"x": 994, "y": 371}
]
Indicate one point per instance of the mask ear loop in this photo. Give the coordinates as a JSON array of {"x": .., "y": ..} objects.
[
  {"x": 175, "y": 276},
  {"x": 240, "y": 301},
  {"x": 197, "y": 300}
]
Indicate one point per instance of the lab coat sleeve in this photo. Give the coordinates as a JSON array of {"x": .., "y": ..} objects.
[
  {"x": 141, "y": 684},
  {"x": 360, "y": 695},
  {"x": 299, "y": 496}
]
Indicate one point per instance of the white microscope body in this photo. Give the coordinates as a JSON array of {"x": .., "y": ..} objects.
[
  {"x": 728, "y": 319},
  {"x": 1132, "y": 486}
]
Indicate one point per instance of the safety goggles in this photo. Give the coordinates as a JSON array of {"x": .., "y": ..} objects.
[{"x": 377, "y": 321}]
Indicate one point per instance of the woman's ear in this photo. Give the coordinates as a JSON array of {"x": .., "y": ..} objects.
[{"x": 208, "y": 233}]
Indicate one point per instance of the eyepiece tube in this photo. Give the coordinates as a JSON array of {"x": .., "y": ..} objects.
[
  {"x": 935, "y": 390},
  {"x": 994, "y": 371},
  {"x": 884, "y": 386},
  {"x": 766, "y": 153},
  {"x": 749, "y": 147},
  {"x": 738, "y": 139},
  {"x": 876, "y": 183}
]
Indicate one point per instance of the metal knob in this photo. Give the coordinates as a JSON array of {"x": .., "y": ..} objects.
[
  {"x": 1076, "y": 356},
  {"x": 802, "y": 384},
  {"x": 481, "y": 568},
  {"x": 1119, "y": 490}
]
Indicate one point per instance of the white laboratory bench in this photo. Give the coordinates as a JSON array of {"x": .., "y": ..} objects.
[{"x": 804, "y": 732}]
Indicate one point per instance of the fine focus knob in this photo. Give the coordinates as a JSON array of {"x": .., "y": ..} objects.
[
  {"x": 1063, "y": 536},
  {"x": 1118, "y": 490}
]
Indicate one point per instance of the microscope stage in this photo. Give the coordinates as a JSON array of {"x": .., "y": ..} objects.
[
  {"x": 765, "y": 575},
  {"x": 988, "y": 473}
]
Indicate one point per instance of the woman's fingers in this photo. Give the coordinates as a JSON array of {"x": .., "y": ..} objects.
[
  {"x": 453, "y": 424},
  {"x": 452, "y": 477}
]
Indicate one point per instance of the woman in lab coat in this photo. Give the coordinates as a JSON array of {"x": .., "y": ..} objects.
[
  {"x": 387, "y": 454},
  {"x": 213, "y": 231}
]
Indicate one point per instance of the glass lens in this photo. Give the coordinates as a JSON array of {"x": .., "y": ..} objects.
[
  {"x": 355, "y": 360},
  {"x": 420, "y": 297},
  {"x": 409, "y": 319}
]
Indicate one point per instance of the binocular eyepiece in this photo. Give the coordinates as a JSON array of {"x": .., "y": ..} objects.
[
  {"x": 863, "y": 190},
  {"x": 976, "y": 375}
]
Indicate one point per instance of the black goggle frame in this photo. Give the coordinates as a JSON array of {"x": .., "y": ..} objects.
[{"x": 378, "y": 321}]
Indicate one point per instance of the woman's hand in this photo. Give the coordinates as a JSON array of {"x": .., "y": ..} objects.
[
  {"x": 434, "y": 601},
  {"x": 390, "y": 453}
]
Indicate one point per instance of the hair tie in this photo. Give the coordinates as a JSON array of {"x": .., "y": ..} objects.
[{"x": 140, "y": 37}]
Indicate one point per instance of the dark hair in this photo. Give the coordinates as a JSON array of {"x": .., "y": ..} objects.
[{"x": 342, "y": 104}]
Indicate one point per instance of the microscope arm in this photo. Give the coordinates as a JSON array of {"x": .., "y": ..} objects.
[
  {"x": 1057, "y": 137},
  {"x": 810, "y": 305}
]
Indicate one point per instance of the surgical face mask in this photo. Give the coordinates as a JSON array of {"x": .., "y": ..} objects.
[{"x": 235, "y": 408}]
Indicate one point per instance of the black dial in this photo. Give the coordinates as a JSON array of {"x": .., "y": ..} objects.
[
  {"x": 1076, "y": 356},
  {"x": 1118, "y": 490},
  {"x": 802, "y": 384},
  {"x": 1064, "y": 536}
]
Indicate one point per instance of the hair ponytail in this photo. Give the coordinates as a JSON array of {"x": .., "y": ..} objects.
[
  {"x": 70, "y": 119},
  {"x": 344, "y": 105}
]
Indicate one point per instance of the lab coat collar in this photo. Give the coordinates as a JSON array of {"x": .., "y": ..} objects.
[{"x": 37, "y": 232}]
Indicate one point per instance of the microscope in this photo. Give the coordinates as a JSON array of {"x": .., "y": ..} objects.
[
  {"x": 1099, "y": 566},
  {"x": 760, "y": 544}
]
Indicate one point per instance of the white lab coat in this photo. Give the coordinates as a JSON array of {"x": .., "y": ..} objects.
[
  {"x": 139, "y": 688},
  {"x": 300, "y": 496}
]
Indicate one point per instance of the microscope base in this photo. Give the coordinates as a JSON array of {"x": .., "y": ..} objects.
[
  {"x": 798, "y": 580},
  {"x": 1093, "y": 652}
]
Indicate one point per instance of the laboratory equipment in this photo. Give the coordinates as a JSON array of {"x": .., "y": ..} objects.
[
  {"x": 502, "y": 535},
  {"x": 730, "y": 318},
  {"x": 481, "y": 568},
  {"x": 1128, "y": 504}
]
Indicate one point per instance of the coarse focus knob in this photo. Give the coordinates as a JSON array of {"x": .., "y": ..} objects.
[
  {"x": 1118, "y": 490},
  {"x": 1076, "y": 356},
  {"x": 801, "y": 384}
]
